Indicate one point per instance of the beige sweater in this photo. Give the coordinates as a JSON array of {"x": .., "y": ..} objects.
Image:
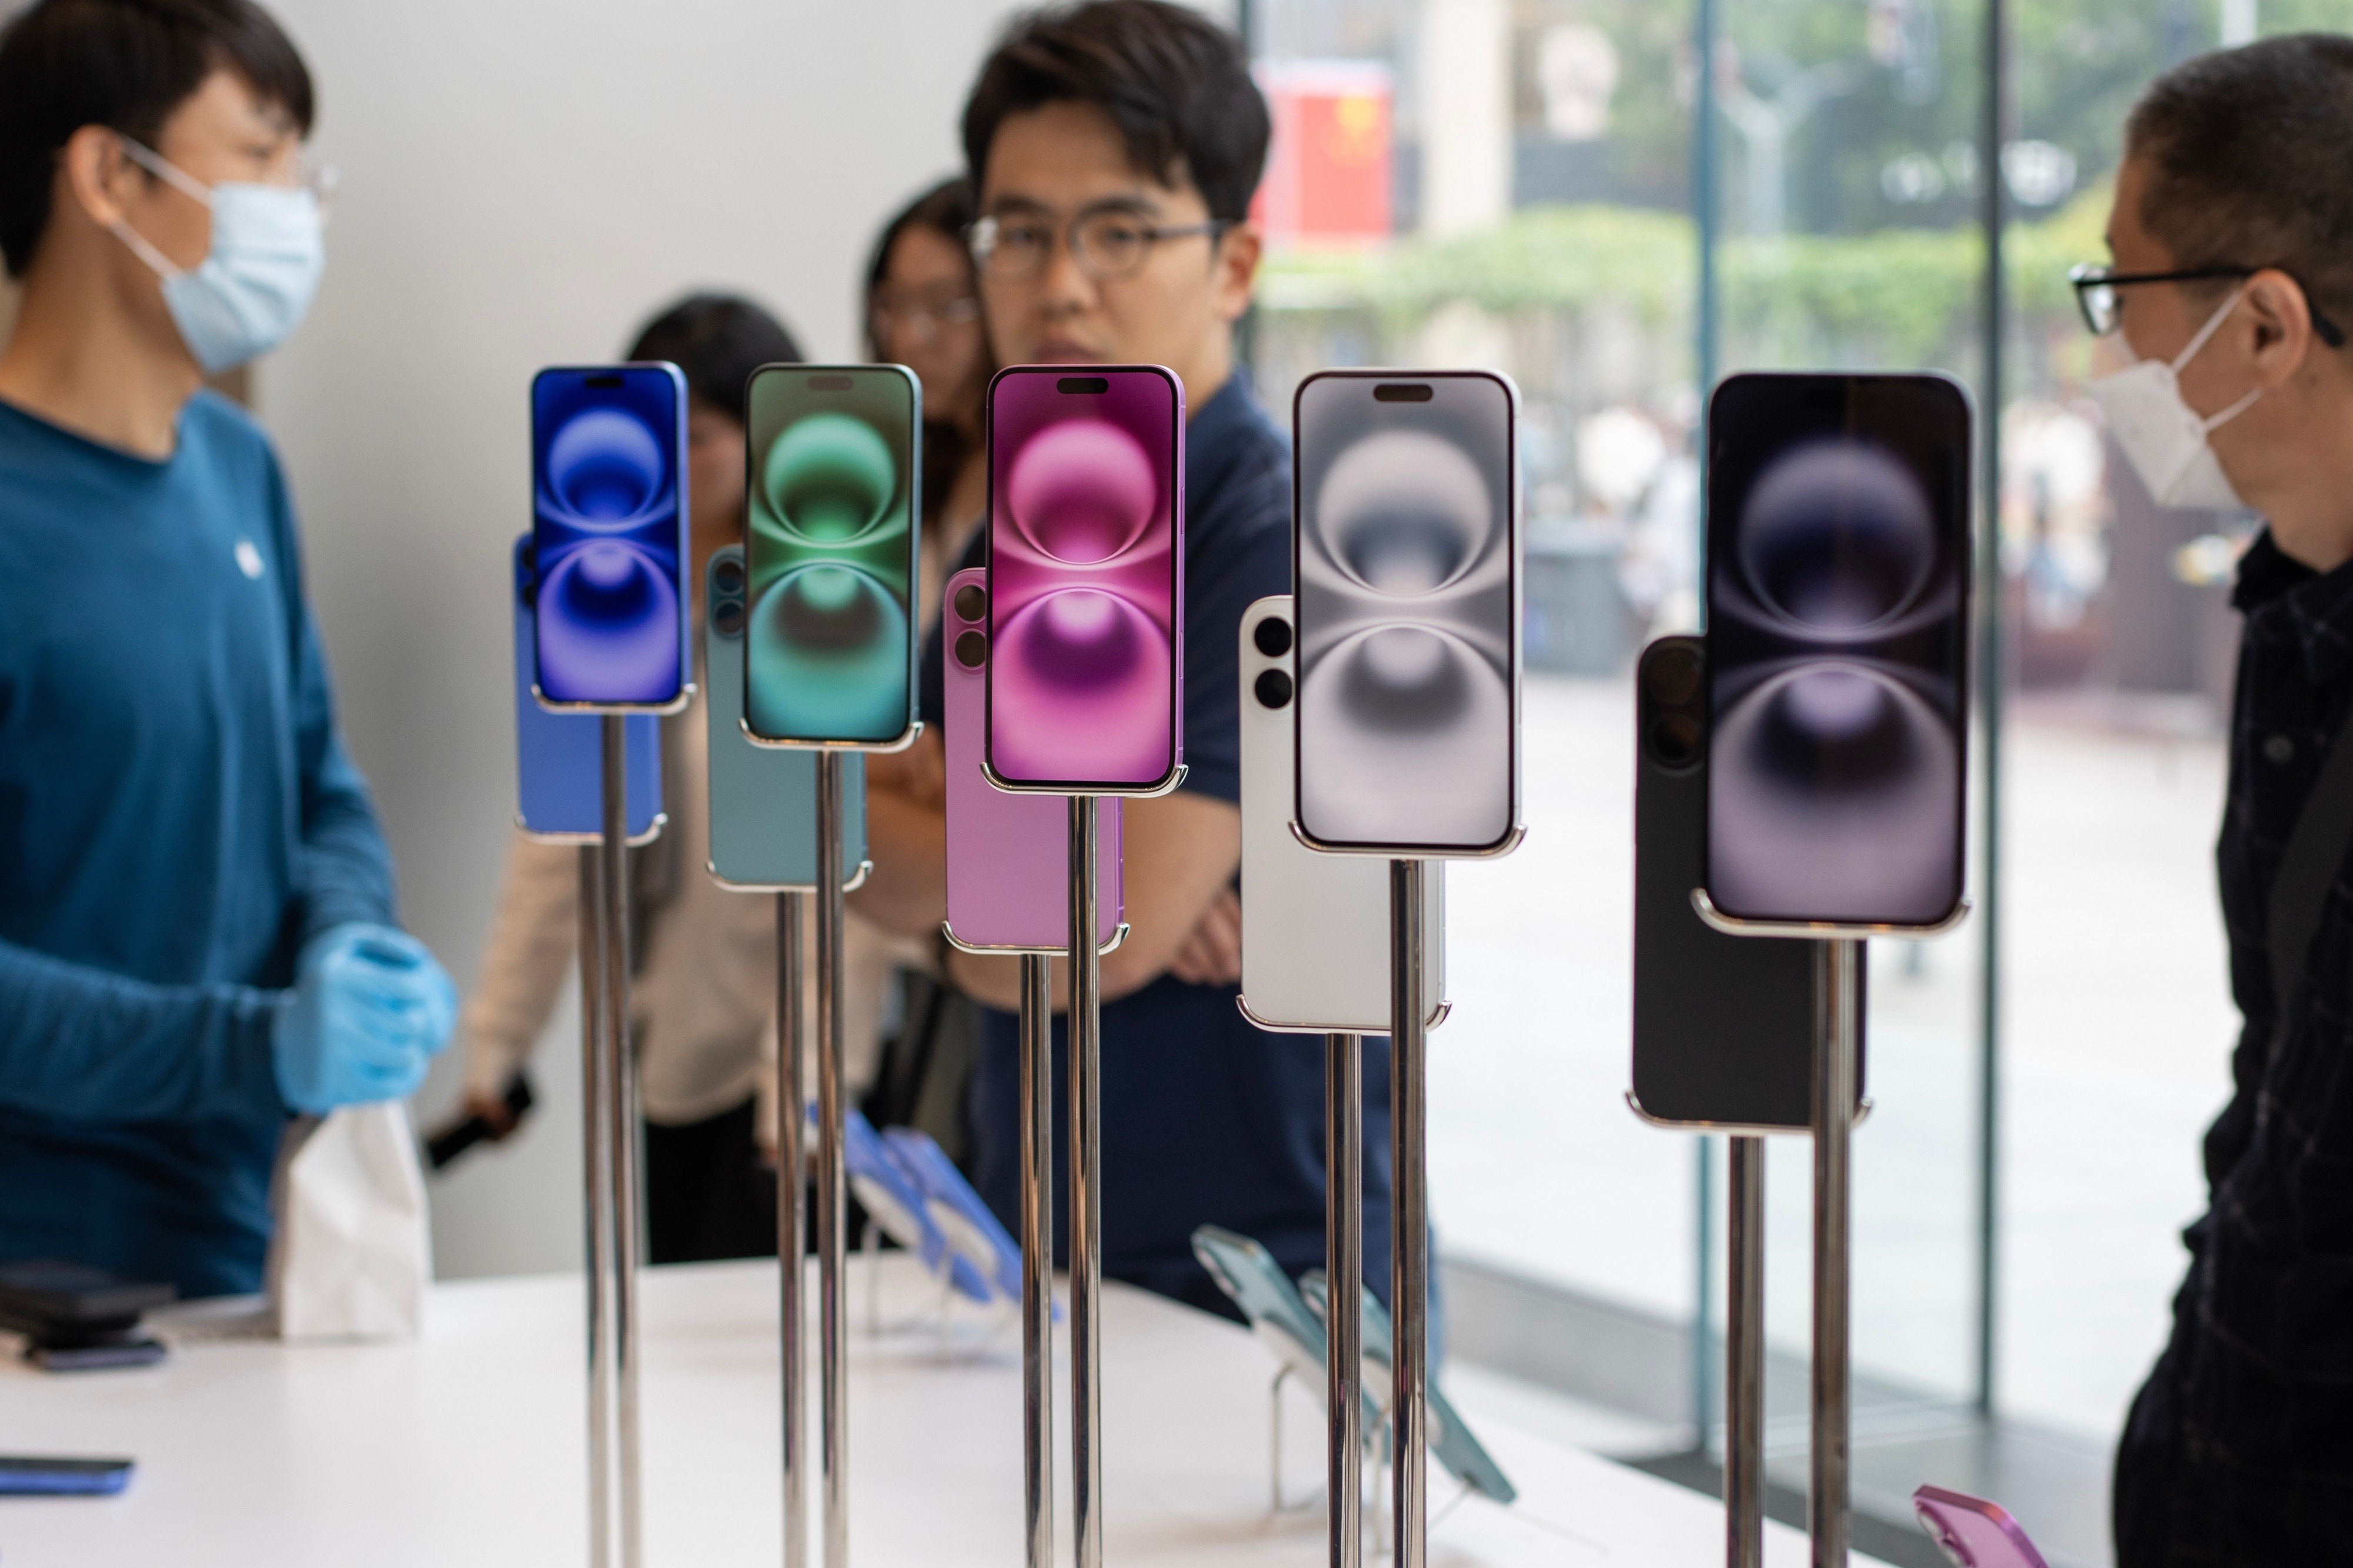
[{"x": 703, "y": 997}]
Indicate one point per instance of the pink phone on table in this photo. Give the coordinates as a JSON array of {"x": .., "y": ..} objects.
[
  {"x": 1008, "y": 855},
  {"x": 1086, "y": 579},
  {"x": 1973, "y": 1532}
]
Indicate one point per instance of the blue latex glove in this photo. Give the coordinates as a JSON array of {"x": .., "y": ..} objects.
[{"x": 369, "y": 1009}]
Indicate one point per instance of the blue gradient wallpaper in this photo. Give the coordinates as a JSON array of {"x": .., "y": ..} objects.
[{"x": 608, "y": 523}]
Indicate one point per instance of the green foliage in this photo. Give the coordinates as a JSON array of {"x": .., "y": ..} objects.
[{"x": 1897, "y": 296}]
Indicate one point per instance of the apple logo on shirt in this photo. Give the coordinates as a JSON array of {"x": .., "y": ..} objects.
[{"x": 249, "y": 559}]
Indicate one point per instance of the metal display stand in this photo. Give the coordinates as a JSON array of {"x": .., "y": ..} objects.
[
  {"x": 792, "y": 1245},
  {"x": 1838, "y": 1051},
  {"x": 1837, "y": 1043},
  {"x": 1409, "y": 1221},
  {"x": 1037, "y": 1114},
  {"x": 832, "y": 1177},
  {"x": 610, "y": 1085},
  {"x": 1037, "y": 1259},
  {"x": 1744, "y": 1359},
  {"x": 595, "y": 1203},
  {"x": 1344, "y": 1312},
  {"x": 1086, "y": 1189}
]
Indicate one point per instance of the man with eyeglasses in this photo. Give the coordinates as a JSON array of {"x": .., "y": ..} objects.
[
  {"x": 1116, "y": 147},
  {"x": 2230, "y": 288},
  {"x": 195, "y": 900}
]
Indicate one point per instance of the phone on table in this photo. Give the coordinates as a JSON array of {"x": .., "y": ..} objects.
[
  {"x": 609, "y": 536},
  {"x": 1406, "y": 555},
  {"x": 1973, "y": 1532},
  {"x": 1086, "y": 579},
  {"x": 1315, "y": 928},
  {"x": 1724, "y": 1026},
  {"x": 1838, "y": 596},
  {"x": 763, "y": 800},
  {"x": 1008, "y": 856},
  {"x": 832, "y": 504},
  {"x": 77, "y": 1318},
  {"x": 27, "y": 1475},
  {"x": 560, "y": 757}
]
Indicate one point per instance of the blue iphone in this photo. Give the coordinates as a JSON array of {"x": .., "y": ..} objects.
[
  {"x": 608, "y": 517},
  {"x": 763, "y": 801},
  {"x": 560, "y": 757}
]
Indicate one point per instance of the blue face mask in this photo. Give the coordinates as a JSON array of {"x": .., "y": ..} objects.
[{"x": 250, "y": 291}]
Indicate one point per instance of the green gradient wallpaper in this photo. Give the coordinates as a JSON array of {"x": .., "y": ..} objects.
[{"x": 830, "y": 647}]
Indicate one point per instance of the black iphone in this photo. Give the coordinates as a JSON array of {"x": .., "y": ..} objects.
[
  {"x": 1724, "y": 1026},
  {"x": 1838, "y": 596}
]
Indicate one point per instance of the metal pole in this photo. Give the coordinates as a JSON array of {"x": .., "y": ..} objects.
[
  {"x": 832, "y": 1214},
  {"x": 1837, "y": 1042},
  {"x": 1408, "y": 1219},
  {"x": 596, "y": 1203},
  {"x": 792, "y": 1245},
  {"x": 1744, "y": 1360},
  {"x": 1343, "y": 1272},
  {"x": 1037, "y": 1258},
  {"x": 1993, "y": 132},
  {"x": 1086, "y": 1190},
  {"x": 621, "y": 1116}
]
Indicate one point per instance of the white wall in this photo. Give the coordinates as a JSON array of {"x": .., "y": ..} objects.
[{"x": 524, "y": 182}]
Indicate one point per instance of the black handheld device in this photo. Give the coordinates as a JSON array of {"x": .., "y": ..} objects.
[
  {"x": 1724, "y": 1026},
  {"x": 458, "y": 1136},
  {"x": 78, "y": 1318}
]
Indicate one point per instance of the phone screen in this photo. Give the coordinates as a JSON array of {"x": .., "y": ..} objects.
[
  {"x": 1406, "y": 557},
  {"x": 609, "y": 527},
  {"x": 1085, "y": 576},
  {"x": 831, "y": 496},
  {"x": 1837, "y": 586}
]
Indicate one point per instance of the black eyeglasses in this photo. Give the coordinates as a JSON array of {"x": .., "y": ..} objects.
[
  {"x": 2095, "y": 294},
  {"x": 1107, "y": 243}
]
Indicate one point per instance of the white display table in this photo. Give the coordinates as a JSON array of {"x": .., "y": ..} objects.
[{"x": 467, "y": 1448}]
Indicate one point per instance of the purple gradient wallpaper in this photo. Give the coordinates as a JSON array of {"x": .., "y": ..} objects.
[{"x": 1085, "y": 574}]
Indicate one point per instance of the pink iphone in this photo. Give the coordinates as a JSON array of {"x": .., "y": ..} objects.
[
  {"x": 1008, "y": 855},
  {"x": 1086, "y": 579},
  {"x": 1973, "y": 1532}
]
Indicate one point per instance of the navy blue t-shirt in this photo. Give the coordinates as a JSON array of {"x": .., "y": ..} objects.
[{"x": 1206, "y": 1120}]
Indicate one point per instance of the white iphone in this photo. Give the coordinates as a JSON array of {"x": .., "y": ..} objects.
[{"x": 1315, "y": 927}]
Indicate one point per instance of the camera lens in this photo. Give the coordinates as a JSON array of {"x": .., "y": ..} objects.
[
  {"x": 728, "y": 577},
  {"x": 727, "y": 617},
  {"x": 1272, "y": 636},
  {"x": 1672, "y": 677},
  {"x": 971, "y": 603},
  {"x": 1673, "y": 741},
  {"x": 1273, "y": 687},
  {"x": 972, "y": 649}
]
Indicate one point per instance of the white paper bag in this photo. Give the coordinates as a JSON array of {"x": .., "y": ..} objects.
[{"x": 351, "y": 1253}]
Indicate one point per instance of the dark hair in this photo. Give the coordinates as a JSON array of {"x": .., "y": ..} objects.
[
  {"x": 1176, "y": 84},
  {"x": 946, "y": 208},
  {"x": 2250, "y": 161},
  {"x": 718, "y": 340},
  {"x": 127, "y": 65}
]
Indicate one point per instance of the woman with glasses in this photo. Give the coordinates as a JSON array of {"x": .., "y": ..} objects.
[
  {"x": 2231, "y": 277},
  {"x": 923, "y": 310}
]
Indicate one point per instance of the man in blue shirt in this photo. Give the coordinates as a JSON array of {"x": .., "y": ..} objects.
[
  {"x": 195, "y": 900},
  {"x": 1116, "y": 147}
]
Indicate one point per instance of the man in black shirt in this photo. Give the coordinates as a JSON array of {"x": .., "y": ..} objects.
[
  {"x": 2232, "y": 285},
  {"x": 1114, "y": 147}
]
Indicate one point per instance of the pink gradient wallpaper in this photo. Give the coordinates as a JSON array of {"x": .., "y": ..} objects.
[{"x": 1086, "y": 572}]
